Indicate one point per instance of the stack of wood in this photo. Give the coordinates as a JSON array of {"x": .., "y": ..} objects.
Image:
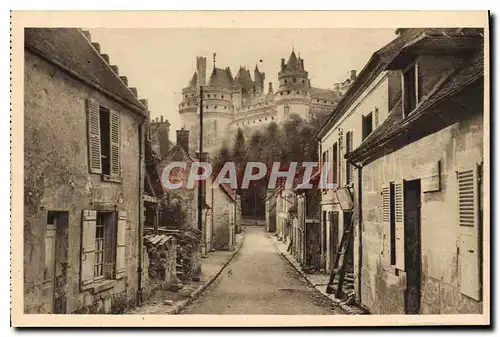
[
  {"x": 188, "y": 246},
  {"x": 158, "y": 254}
]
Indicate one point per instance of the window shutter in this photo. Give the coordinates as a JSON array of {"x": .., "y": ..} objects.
[
  {"x": 114, "y": 141},
  {"x": 386, "y": 223},
  {"x": 89, "y": 218},
  {"x": 120, "y": 244},
  {"x": 400, "y": 228},
  {"x": 469, "y": 253},
  {"x": 376, "y": 117},
  {"x": 94, "y": 130}
]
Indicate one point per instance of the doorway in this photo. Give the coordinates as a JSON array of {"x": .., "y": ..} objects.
[
  {"x": 349, "y": 256},
  {"x": 55, "y": 271},
  {"x": 412, "y": 205},
  {"x": 334, "y": 237}
]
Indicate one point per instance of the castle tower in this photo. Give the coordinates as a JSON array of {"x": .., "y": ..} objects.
[
  {"x": 292, "y": 96},
  {"x": 259, "y": 78},
  {"x": 217, "y": 112}
]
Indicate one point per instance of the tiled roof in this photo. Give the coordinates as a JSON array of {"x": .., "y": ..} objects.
[
  {"x": 220, "y": 78},
  {"x": 325, "y": 94},
  {"x": 244, "y": 78},
  {"x": 471, "y": 71},
  {"x": 69, "y": 49}
]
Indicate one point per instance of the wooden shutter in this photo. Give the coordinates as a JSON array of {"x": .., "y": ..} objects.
[
  {"x": 469, "y": 245},
  {"x": 400, "y": 228},
  {"x": 89, "y": 218},
  {"x": 121, "y": 231},
  {"x": 376, "y": 117},
  {"x": 114, "y": 141},
  {"x": 386, "y": 223},
  {"x": 94, "y": 134}
]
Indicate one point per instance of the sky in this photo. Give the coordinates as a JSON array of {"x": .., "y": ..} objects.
[{"x": 160, "y": 62}]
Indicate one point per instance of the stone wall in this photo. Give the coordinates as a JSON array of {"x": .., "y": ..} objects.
[
  {"x": 457, "y": 147},
  {"x": 161, "y": 261},
  {"x": 57, "y": 178},
  {"x": 223, "y": 229}
]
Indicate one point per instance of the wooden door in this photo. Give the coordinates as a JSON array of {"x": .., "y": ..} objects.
[
  {"x": 334, "y": 235},
  {"x": 411, "y": 250},
  {"x": 49, "y": 271}
]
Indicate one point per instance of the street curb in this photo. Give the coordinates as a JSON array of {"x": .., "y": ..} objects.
[
  {"x": 349, "y": 310},
  {"x": 183, "y": 304}
]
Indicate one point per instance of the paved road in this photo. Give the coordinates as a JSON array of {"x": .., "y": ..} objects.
[{"x": 260, "y": 281}]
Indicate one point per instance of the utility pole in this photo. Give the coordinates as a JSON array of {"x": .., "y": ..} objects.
[{"x": 200, "y": 184}]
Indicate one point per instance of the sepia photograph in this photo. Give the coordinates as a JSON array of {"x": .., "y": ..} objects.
[{"x": 225, "y": 168}]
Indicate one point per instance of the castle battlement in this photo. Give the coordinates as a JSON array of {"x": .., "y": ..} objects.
[{"x": 236, "y": 102}]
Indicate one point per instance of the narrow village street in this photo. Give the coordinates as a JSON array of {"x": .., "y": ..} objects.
[{"x": 260, "y": 281}]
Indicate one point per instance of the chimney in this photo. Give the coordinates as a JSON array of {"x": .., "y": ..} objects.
[
  {"x": 270, "y": 87},
  {"x": 201, "y": 70},
  {"x": 204, "y": 158},
  {"x": 124, "y": 79},
  {"x": 105, "y": 57},
  {"x": 183, "y": 139},
  {"x": 336, "y": 87},
  {"x": 161, "y": 118},
  {"x": 96, "y": 46},
  {"x": 87, "y": 34},
  {"x": 115, "y": 69},
  {"x": 163, "y": 131},
  {"x": 353, "y": 75},
  {"x": 282, "y": 63},
  {"x": 134, "y": 91}
]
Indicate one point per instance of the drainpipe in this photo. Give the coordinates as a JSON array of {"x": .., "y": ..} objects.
[
  {"x": 141, "y": 210},
  {"x": 360, "y": 223}
]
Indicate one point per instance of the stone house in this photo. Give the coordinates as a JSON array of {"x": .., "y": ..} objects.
[
  {"x": 220, "y": 204},
  {"x": 224, "y": 206},
  {"x": 419, "y": 203},
  {"x": 270, "y": 205},
  {"x": 83, "y": 178},
  {"x": 306, "y": 229},
  {"x": 363, "y": 108}
]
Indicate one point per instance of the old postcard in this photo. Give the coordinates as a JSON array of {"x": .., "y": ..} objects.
[{"x": 250, "y": 168}]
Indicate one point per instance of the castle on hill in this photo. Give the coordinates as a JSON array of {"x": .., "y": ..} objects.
[{"x": 242, "y": 102}]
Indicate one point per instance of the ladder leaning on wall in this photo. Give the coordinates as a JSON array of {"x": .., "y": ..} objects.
[{"x": 338, "y": 271}]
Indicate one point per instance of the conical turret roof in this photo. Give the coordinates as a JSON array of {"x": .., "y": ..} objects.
[
  {"x": 194, "y": 81},
  {"x": 292, "y": 63}
]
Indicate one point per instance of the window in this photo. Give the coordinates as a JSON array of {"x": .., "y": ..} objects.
[
  {"x": 410, "y": 86},
  {"x": 288, "y": 92},
  {"x": 469, "y": 216},
  {"x": 222, "y": 96},
  {"x": 104, "y": 141},
  {"x": 208, "y": 95},
  {"x": 287, "y": 109},
  {"x": 286, "y": 81},
  {"x": 294, "y": 80},
  {"x": 376, "y": 117},
  {"x": 99, "y": 247},
  {"x": 303, "y": 81},
  {"x": 103, "y": 246},
  {"x": 348, "y": 149},
  {"x": 367, "y": 125},
  {"x": 392, "y": 198},
  {"x": 335, "y": 159}
]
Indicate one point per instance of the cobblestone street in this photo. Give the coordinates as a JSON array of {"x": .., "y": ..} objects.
[{"x": 260, "y": 281}]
